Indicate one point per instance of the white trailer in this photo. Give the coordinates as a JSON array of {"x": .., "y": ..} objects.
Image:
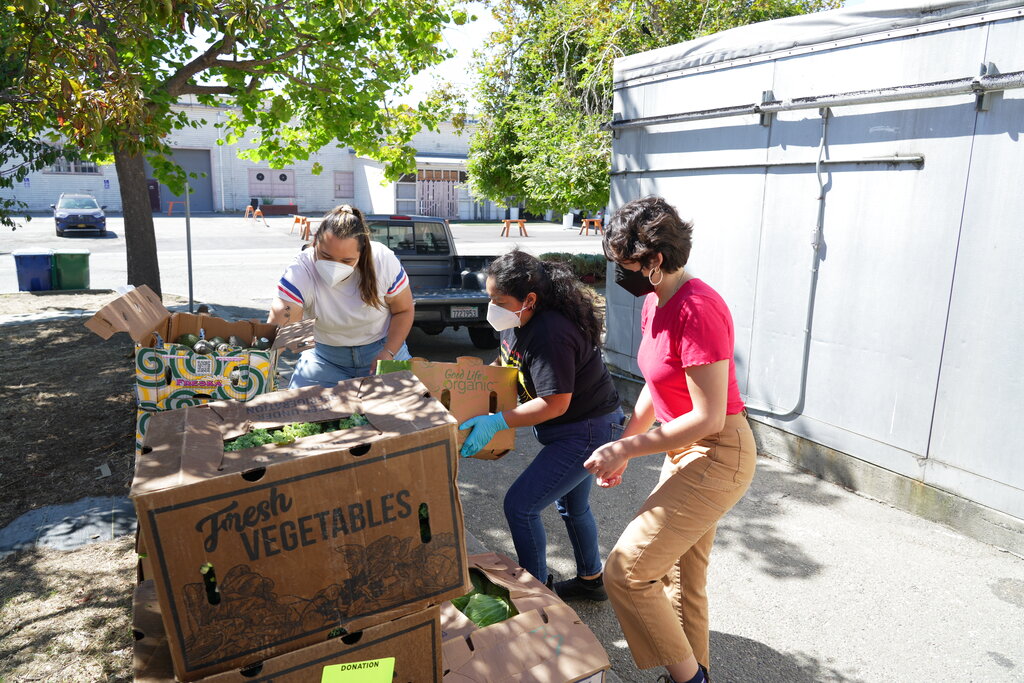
[{"x": 855, "y": 181}]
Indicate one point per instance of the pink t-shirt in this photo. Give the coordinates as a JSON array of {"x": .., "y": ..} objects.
[{"x": 694, "y": 327}]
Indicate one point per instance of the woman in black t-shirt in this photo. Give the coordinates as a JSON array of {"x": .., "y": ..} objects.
[{"x": 551, "y": 333}]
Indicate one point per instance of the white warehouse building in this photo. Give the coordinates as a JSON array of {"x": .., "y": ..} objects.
[{"x": 227, "y": 183}]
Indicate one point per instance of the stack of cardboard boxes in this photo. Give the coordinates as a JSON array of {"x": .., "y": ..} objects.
[
  {"x": 337, "y": 552},
  {"x": 169, "y": 375},
  {"x": 275, "y": 561}
]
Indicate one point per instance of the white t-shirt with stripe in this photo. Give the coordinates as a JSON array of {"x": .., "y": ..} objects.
[{"x": 342, "y": 319}]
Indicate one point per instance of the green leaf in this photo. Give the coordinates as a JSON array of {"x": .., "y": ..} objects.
[{"x": 484, "y": 610}]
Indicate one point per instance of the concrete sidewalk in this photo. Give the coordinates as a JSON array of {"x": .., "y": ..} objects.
[{"x": 808, "y": 581}]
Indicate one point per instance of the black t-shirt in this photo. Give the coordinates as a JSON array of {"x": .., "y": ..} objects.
[{"x": 554, "y": 357}]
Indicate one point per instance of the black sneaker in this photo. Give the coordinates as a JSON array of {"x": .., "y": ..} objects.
[{"x": 581, "y": 589}]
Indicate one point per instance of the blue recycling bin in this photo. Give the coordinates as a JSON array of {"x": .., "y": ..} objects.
[{"x": 34, "y": 268}]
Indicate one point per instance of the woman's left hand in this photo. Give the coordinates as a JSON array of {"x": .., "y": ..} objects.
[
  {"x": 383, "y": 355},
  {"x": 607, "y": 463}
]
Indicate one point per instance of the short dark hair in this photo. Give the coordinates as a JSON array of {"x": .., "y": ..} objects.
[{"x": 645, "y": 227}]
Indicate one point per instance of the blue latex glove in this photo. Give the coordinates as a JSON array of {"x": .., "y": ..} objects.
[{"x": 484, "y": 428}]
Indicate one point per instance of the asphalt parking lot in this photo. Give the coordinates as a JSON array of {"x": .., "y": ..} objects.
[{"x": 237, "y": 261}]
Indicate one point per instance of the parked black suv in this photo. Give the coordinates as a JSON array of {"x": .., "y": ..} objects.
[{"x": 79, "y": 213}]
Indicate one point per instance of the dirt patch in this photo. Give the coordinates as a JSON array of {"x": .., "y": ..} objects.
[
  {"x": 67, "y": 405},
  {"x": 66, "y": 616}
]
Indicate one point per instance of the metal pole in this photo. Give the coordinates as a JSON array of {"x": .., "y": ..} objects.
[
  {"x": 188, "y": 242},
  {"x": 972, "y": 85},
  {"x": 891, "y": 160},
  {"x": 220, "y": 160}
]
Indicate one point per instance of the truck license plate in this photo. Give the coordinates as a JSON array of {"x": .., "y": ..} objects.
[{"x": 463, "y": 312}]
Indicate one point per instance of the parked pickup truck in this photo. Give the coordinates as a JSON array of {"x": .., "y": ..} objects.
[{"x": 449, "y": 290}]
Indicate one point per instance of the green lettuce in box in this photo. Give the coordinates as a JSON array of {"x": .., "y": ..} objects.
[
  {"x": 488, "y": 603},
  {"x": 289, "y": 432}
]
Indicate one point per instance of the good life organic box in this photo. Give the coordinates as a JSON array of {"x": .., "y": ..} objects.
[
  {"x": 468, "y": 388},
  {"x": 261, "y": 551},
  {"x": 170, "y": 375},
  {"x": 412, "y": 643}
]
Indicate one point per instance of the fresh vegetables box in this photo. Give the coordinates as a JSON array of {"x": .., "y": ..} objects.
[
  {"x": 413, "y": 641},
  {"x": 468, "y": 388},
  {"x": 539, "y": 639},
  {"x": 262, "y": 550},
  {"x": 184, "y": 359}
]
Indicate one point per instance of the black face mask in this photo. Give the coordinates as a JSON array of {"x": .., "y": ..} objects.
[{"x": 633, "y": 281}]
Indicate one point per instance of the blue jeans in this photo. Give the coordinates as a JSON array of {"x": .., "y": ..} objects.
[
  {"x": 557, "y": 476},
  {"x": 327, "y": 365}
]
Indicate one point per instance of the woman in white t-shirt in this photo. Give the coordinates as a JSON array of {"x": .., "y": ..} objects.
[{"x": 359, "y": 294}]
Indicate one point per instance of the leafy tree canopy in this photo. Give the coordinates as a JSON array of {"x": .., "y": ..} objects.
[
  {"x": 545, "y": 87},
  {"x": 102, "y": 76}
]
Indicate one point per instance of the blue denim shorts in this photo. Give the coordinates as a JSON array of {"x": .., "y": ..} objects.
[{"x": 327, "y": 365}]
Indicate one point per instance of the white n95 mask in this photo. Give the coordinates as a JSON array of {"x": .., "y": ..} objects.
[
  {"x": 502, "y": 318},
  {"x": 333, "y": 272}
]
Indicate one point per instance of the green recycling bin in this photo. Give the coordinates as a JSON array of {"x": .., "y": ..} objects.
[{"x": 70, "y": 269}]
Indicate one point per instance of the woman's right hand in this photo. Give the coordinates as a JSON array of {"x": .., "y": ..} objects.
[{"x": 608, "y": 481}]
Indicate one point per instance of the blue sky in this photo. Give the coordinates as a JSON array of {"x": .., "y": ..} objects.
[{"x": 464, "y": 40}]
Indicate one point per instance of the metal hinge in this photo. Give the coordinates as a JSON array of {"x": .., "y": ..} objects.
[{"x": 983, "y": 99}]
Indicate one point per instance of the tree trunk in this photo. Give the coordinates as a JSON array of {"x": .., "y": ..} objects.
[{"x": 139, "y": 237}]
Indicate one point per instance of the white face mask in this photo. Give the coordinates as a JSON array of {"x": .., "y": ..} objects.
[
  {"x": 502, "y": 318},
  {"x": 333, "y": 272}
]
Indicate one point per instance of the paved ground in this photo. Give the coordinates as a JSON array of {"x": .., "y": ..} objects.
[
  {"x": 808, "y": 582},
  {"x": 237, "y": 261}
]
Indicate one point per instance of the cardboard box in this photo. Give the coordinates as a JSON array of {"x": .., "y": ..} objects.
[
  {"x": 141, "y": 425},
  {"x": 172, "y": 375},
  {"x": 414, "y": 641},
  {"x": 468, "y": 388},
  {"x": 546, "y": 642},
  {"x": 265, "y": 550}
]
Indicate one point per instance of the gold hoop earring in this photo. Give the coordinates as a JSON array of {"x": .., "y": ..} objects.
[{"x": 650, "y": 277}]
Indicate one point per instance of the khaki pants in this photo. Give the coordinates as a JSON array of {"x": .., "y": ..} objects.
[{"x": 657, "y": 572}]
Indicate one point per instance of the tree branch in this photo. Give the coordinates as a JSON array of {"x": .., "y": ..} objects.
[
  {"x": 176, "y": 83},
  {"x": 247, "y": 64},
  {"x": 192, "y": 89}
]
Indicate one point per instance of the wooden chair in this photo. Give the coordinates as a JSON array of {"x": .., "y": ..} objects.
[{"x": 594, "y": 223}]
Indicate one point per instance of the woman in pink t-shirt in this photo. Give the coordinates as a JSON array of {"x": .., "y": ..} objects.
[{"x": 656, "y": 580}]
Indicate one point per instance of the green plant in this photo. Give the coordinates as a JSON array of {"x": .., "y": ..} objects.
[
  {"x": 583, "y": 265},
  {"x": 290, "y": 432},
  {"x": 556, "y": 256},
  {"x": 266, "y": 201},
  {"x": 488, "y": 603}
]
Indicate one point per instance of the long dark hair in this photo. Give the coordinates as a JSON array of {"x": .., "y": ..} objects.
[
  {"x": 517, "y": 274},
  {"x": 347, "y": 221}
]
